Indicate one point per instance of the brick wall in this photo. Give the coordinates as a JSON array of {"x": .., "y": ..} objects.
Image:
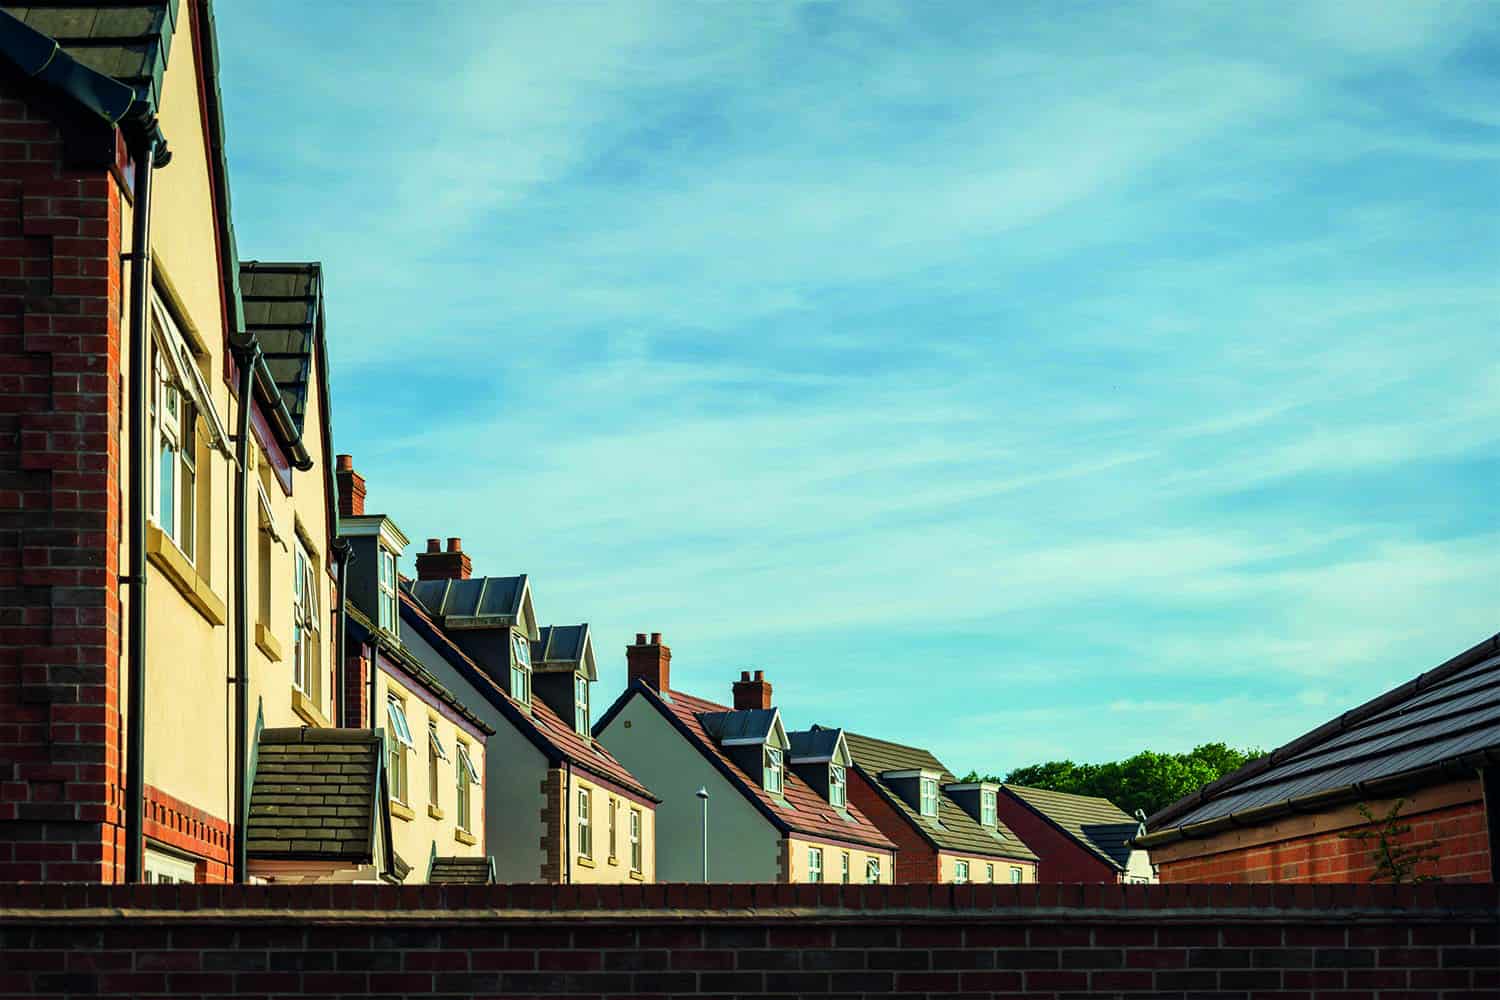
[
  {"x": 60, "y": 614},
  {"x": 916, "y": 861},
  {"x": 1327, "y": 856},
  {"x": 1062, "y": 859},
  {"x": 552, "y": 843},
  {"x": 596, "y": 941}
]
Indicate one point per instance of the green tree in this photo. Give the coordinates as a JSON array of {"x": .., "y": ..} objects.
[{"x": 1395, "y": 860}]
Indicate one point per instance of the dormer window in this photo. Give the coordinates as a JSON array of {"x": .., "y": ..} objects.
[
  {"x": 386, "y": 598},
  {"x": 929, "y": 797},
  {"x": 837, "y": 793},
  {"x": 987, "y": 807},
  {"x": 772, "y": 777},
  {"x": 581, "y": 704},
  {"x": 520, "y": 668}
]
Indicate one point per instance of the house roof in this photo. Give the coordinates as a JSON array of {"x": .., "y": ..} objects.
[
  {"x": 538, "y": 722},
  {"x": 804, "y": 812},
  {"x": 462, "y": 871},
  {"x": 564, "y": 648},
  {"x": 1435, "y": 727},
  {"x": 475, "y": 602},
  {"x": 1096, "y": 824},
  {"x": 814, "y": 744},
  {"x": 416, "y": 668},
  {"x": 317, "y": 795},
  {"x": 745, "y": 724},
  {"x": 952, "y": 829},
  {"x": 283, "y": 307}
]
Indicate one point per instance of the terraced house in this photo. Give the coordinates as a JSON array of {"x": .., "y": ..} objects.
[
  {"x": 167, "y": 549},
  {"x": 948, "y": 831},
  {"x": 777, "y": 809}
]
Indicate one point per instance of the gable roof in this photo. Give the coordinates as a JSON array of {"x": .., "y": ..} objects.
[
  {"x": 952, "y": 829},
  {"x": 476, "y": 602},
  {"x": 1435, "y": 727},
  {"x": 743, "y": 725},
  {"x": 543, "y": 727},
  {"x": 564, "y": 648},
  {"x": 318, "y": 795},
  {"x": 283, "y": 307},
  {"x": 1095, "y": 824},
  {"x": 804, "y": 812},
  {"x": 816, "y": 745},
  {"x": 462, "y": 871}
]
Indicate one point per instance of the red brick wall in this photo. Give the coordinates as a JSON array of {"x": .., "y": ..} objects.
[
  {"x": 916, "y": 861},
  {"x": 60, "y": 627},
  {"x": 174, "y": 822},
  {"x": 1062, "y": 859},
  {"x": 1459, "y": 830},
  {"x": 594, "y": 941}
]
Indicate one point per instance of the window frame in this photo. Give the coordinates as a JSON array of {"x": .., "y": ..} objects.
[
  {"x": 844, "y": 867},
  {"x": 989, "y": 809},
  {"x": 872, "y": 871},
  {"x": 466, "y": 780},
  {"x": 1016, "y": 875},
  {"x": 960, "y": 871},
  {"x": 989, "y": 872},
  {"x": 581, "y": 704},
  {"x": 174, "y": 375},
  {"x": 520, "y": 667},
  {"x": 636, "y": 851},
  {"x": 585, "y": 823},
  {"x": 773, "y": 765},
  {"x": 838, "y": 779},
  {"x": 307, "y": 623},
  {"x": 815, "y": 864},
  {"x": 385, "y": 590},
  {"x": 435, "y": 754},
  {"x": 399, "y": 741},
  {"x": 925, "y": 786},
  {"x": 612, "y": 814}
]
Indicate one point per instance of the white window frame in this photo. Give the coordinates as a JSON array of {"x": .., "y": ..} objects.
[
  {"x": 581, "y": 704},
  {"x": 467, "y": 780},
  {"x": 772, "y": 763},
  {"x": 960, "y": 872},
  {"x": 844, "y": 867},
  {"x": 1016, "y": 876},
  {"x": 989, "y": 872},
  {"x": 614, "y": 839},
  {"x": 585, "y": 827},
  {"x": 520, "y": 668},
  {"x": 872, "y": 871},
  {"x": 307, "y": 624},
  {"x": 988, "y": 811},
  {"x": 163, "y": 868},
  {"x": 635, "y": 840},
  {"x": 435, "y": 754},
  {"x": 927, "y": 792},
  {"x": 385, "y": 599},
  {"x": 838, "y": 786},
  {"x": 815, "y": 864},
  {"x": 398, "y": 743}
]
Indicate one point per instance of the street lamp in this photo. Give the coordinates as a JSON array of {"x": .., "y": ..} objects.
[{"x": 703, "y": 797}]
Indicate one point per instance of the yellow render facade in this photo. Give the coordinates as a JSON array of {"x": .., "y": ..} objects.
[
  {"x": 613, "y": 835},
  {"x": 967, "y": 868},
  {"x": 824, "y": 861}
]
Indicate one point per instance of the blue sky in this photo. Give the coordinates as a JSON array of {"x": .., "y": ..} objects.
[{"x": 1020, "y": 380}]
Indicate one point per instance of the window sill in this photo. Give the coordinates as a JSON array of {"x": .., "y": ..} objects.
[
  {"x": 434, "y": 812},
  {"x": 613, "y": 862},
  {"x": 164, "y": 554},
  {"x": 308, "y": 711},
  {"x": 584, "y": 862},
  {"x": 464, "y": 837},
  {"x": 266, "y": 643},
  {"x": 401, "y": 812},
  {"x": 638, "y": 876}
]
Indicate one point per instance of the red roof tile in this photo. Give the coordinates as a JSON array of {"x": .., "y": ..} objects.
[{"x": 810, "y": 815}]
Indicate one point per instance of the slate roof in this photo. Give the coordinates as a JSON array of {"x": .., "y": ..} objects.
[
  {"x": 1096, "y": 824},
  {"x": 564, "y": 647},
  {"x": 544, "y": 727},
  {"x": 317, "y": 795},
  {"x": 462, "y": 871},
  {"x": 809, "y": 812},
  {"x": 1436, "y": 727},
  {"x": 283, "y": 306},
  {"x": 127, "y": 41},
  {"x": 952, "y": 829},
  {"x": 813, "y": 744},
  {"x": 739, "y": 724},
  {"x": 476, "y": 602}
]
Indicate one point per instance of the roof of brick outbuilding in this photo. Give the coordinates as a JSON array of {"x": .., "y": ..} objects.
[
  {"x": 462, "y": 871},
  {"x": 317, "y": 795}
]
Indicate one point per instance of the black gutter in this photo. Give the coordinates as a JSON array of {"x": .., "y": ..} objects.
[
  {"x": 150, "y": 152},
  {"x": 367, "y": 633},
  {"x": 246, "y": 360},
  {"x": 345, "y": 553}
]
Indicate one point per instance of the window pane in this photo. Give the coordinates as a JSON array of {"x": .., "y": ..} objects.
[{"x": 167, "y": 490}]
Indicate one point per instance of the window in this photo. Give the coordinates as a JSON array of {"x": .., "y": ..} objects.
[
  {"x": 397, "y": 744},
  {"x": 581, "y": 704},
  {"x": 435, "y": 753},
  {"x": 960, "y": 872},
  {"x": 872, "y": 871},
  {"x": 815, "y": 864},
  {"x": 468, "y": 777},
  {"x": 844, "y": 868},
  {"x": 585, "y": 833},
  {"x": 989, "y": 872},
  {"x": 635, "y": 840},
  {"x": 772, "y": 777},
  {"x": 306, "y": 659},
  {"x": 386, "y": 599},
  {"x": 174, "y": 423},
  {"x": 1015, "y": 875},
  {"x": 928, "y": 800},
  {"x": 520, "y": 668},
  {"x": 614, "y": 807},
  {"x": 837, "y": 793},
  {"x": 162, "y": 868},
  {"x": 986, "y": 807}
]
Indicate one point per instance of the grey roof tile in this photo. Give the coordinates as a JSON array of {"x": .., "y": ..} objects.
[
  {"x": 316, "y": 794},
  {"x": 462, "y": 871},
  {"x": 282, "y": 305},
  {"x": 1097, "y": 824}
]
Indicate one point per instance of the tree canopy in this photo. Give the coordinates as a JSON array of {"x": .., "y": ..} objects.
[{"x": 1147, "y": 781}]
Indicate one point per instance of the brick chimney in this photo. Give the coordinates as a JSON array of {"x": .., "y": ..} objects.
[
  {"x": 351, "y": 488},
  {"x": 436, "y": 564},
  {"x": 651, "y": 661},
  {"x": 752, "y": 692}
]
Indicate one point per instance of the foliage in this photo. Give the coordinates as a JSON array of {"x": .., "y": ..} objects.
[
  {"x": 1148, "y": 781},
  {"x": 1394, "y": 862}
]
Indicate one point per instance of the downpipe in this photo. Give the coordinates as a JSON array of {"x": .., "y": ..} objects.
[{"x": 247, "y": 358}]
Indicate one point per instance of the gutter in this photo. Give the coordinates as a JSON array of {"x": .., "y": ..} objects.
[{"x": 345, "y": 553}]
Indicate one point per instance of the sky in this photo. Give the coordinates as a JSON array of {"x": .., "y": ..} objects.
[{"x": 1018, "y": 380}]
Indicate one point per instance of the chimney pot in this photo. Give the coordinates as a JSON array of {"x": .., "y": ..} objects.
[
  {"x": 455, "y": 544},
  {"x": 434, "y": 545},
  {"x": 744, "y": 675},
  {"x": 760, "y": 675},
  {"x": 651, "y": 663},
  {"x": 640, "y": 638},
  {"x": 656, "y": 638},
  {"x": 346, "y": 463}
]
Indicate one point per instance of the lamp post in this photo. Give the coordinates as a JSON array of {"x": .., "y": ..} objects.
[{"x": 703, "y": 797}]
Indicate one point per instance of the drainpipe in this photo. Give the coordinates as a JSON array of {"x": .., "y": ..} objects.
[
  {"x": 247, "y": 357},
  {"x": 149, "y": 153},
  {"x": 345, "y": 553},
  {"x": 568, "y": 823}
]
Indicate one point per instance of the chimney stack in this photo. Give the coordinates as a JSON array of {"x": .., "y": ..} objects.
[
  {"x": 351, "y": 488},
  {"x": 752, "y": 692},
  {"x": 651, "y": 661},
  {"x": 437, "y": 564}
]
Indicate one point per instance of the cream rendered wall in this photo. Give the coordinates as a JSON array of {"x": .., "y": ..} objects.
[
  {"x": 948, "y": 868},
  {"x": 1138, "y": 868},
  {"x": 743, "y": 845},
  {"x": 799, "y": 849},
  {"x": 602, "y": 867}
]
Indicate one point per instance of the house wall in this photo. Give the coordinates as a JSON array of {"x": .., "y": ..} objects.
[
  {"x": 1062, "y": 859},
  {"x": 743, "y": 845},
  {"x": 800, "y": 861},
  {"x": 948, "y": 868},
  {"x": 916, "y": 860},
  {"x": 1314, "y": 848},
  {"x": 602, "y": 866}
]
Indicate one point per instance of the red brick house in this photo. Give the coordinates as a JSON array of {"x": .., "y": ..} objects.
[
  {"x": 1432, "y": 744},
  {"x": 1080, "y": 838}
]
